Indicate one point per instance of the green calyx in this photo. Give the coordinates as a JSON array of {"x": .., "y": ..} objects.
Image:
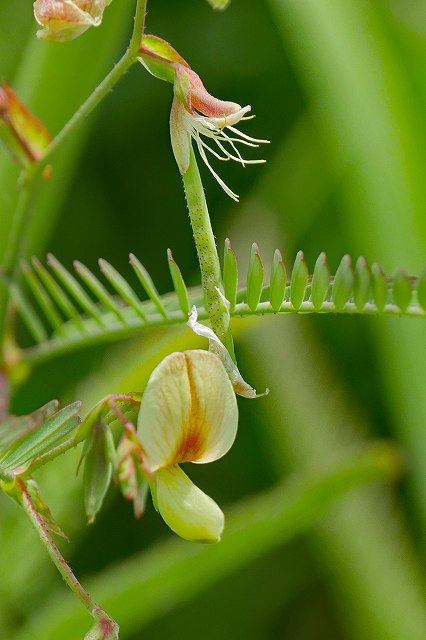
[{"x": 160, "y": 58}]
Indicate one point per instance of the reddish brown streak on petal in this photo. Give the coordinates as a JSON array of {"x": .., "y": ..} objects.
[{"x": 192, "y": 444}]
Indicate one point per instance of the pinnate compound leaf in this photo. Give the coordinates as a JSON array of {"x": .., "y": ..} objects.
[
  {"x": 37, "y": 446},
  {"x": 16, "y": 427},
  {"x": 107, "y": 317}
]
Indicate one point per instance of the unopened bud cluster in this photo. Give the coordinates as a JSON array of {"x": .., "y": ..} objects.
[{"x": 64, "y": 20}]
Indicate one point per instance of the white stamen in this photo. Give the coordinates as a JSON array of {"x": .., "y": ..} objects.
[
  {"x": 224, "y": 186},
  {"x": 246, "y": 137},
  {"x": 199, "y": 125}
]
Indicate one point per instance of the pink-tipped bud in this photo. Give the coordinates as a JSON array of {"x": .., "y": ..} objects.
[
  {"x": 197, "y": 97},
  {"x": 64, "y": 20}
]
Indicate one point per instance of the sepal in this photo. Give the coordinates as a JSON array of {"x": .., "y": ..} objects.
[{"x": 159, "y": 58}]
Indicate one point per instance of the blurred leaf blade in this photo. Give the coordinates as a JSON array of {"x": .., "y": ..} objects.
[{"x": 282, "y": 513}]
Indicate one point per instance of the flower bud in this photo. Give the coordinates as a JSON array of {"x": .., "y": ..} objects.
[
  {"x": 99, "y": 453},
  {"x": 64, "y": 20},
  {"x": 105, "y": 628},
  {"x": 23, "y": 135}
]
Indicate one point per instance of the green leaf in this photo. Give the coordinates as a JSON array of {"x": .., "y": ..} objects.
[
  {"x": 42, "y": 297},
  {"x": 42, "y": 508},
  {"x": 99, "y": 290},
  {"x": 421, "y": 288},
  {"x": 254, "y": 278},
  {"x": 402, "y": 289},
  {"x": 74, "y": 288},
  {"x": 119, "y": 319},
  {"x": 343, "y": 283},
  {"x": 176, "y": 572},
  {"x": 27, "y": 313},
  {"x": 230, "y": 274},
  {"x": 278, "y": 281},
  {"x": 320, "y": 281},
  {"x": 380, "y": 287},
  {"x": 15, "y": 427},
  {"x": 36, "y": 447},
  {"x": 362, "y": 283},
  {"x": 58, "y": 295},
  {"x": 299, "y": 279},
  {"x": 219, "y": 5},
  {"x": 122, "y": 287},
  {"x": 179, "y": 285},
  {"x": 148, "y": 284}
]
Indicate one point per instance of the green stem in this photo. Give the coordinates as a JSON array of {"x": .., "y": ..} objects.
[
  {"x": 14, "y": 245},
  {"x": 57, "y": 558},
  {"x": 129, "y": 58},
  {"x": 208, "y": 258},
  {"x": 92, "y": 101}
]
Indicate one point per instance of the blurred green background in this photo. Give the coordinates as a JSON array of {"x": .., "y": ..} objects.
[{"x": 339, "y": 88}]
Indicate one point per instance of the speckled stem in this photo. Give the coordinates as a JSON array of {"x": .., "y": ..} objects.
[{"x": 207, "y": 254}]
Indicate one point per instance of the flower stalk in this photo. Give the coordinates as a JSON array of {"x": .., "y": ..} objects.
[
  {"x": 102, "y": 620},
  {"x": 207, "y": 254}
]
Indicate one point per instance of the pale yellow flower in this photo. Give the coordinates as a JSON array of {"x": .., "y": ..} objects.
[{"x": 188, "y": 414}]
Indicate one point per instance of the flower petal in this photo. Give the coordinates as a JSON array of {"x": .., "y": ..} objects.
[
  {"x": 188, "y": 411},
  {"x": 185, "y": 508}
]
